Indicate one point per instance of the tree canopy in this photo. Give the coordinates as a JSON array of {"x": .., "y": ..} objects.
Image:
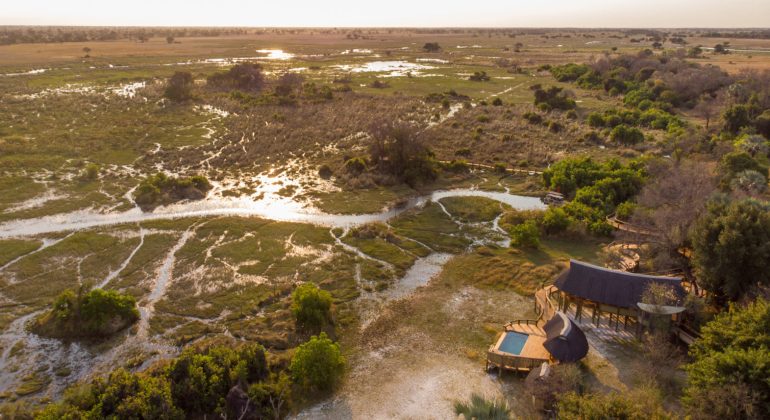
[{"x": 731, "y": 247}]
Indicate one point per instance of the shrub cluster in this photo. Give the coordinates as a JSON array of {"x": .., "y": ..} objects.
[{"x": 97, "y": 313}]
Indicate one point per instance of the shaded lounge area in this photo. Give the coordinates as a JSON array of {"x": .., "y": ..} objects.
[{"x": 607, "y": 295}]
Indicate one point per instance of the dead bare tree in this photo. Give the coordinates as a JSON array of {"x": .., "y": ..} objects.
[{"x": 668, "y": 205}]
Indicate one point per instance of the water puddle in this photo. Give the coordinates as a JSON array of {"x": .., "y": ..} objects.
[
  {"x": 393, "y": 68},
  {"x": 25, "y": 73}
]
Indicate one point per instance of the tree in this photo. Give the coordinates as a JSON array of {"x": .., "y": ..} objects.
[
  {"x": 753, "y": 144},
  {"x": 397, "y": 149},
  {"x": 720, "y": 49},
  {"x": 169, "y": 39},
  {"x": 431, "y": 47},
  {"x": 311, "y": 306},
  {"x": 734, "y": 163},
  {"x": 735, "y": 118},
  {"x": 179, "y": 87},
  {"x": 201, "y": 380},
  {"x": 731, "y": 363},
  {"x": 731, "y": 248},
  {"x": 555, "y": 220},
  {"x": 526, "y": 235},
  {"x": 246, "y": 77},
  {"x": 749, "y": 182},
  {"x": 624, "y": 134},
  {"x": 668, "y": 206},
  {"x": 317, "y": 364},
  {"x": 87, "y": 52}
]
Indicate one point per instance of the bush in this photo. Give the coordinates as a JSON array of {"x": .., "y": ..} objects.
[
  {"x": 625, "y": 210},
  {"x": 479, "y": 408},
  {"x": 355, "y": 165},
  {"x": 626, "y": 135},
  {"x": 431, "y": 47},
  {"x": 311, "y": 306},
  {"x": 555, "y": 220},
  {"x": 91, "y": 172},
  {"x": 569, "y": 72},
  {"x": 317, "y": 364},
  {"x": 97, "y": 313},
  {"x": 533, "y": 118},
  {"x": 325, "y": 172},
  {"x": 734, "y": 163},
  {"x": 553, "y": 98},
  {"x": 246, "y": 77},
  {"x": 731, "y": 247},
  {"x": 731, "y": 363},
  {"x": 179, "y": 87},
  {"x": 479, "y": 76},
  {"x": 200, "y": 380},
  {"x": 641, "y": 405},
  {"x": 525, "y": 235},
  {"x": 161, "y": 189}
]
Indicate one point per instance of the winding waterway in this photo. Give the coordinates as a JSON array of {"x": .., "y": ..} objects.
[{"x": 273, "y": 208}]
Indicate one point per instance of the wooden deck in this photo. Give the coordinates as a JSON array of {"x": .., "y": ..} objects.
[
  {"x": 533, "y": 347},
  {"x": 532, "y": 355}
]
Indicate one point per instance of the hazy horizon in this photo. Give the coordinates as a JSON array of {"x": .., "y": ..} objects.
[{"x": 396, "y": 13}]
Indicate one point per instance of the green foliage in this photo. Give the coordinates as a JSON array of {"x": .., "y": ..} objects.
[
  {"x": 736, "y": 117},
  {"x": 245, "y": 77},
  {"x": 479, "y": 408},
  {"x": 355, "y": 165},
  {"x": 626, "y": 135},
  {"x": 96, "y": 313},
  {"x": 121, "y": 395},
  {"x": 161, "y": 189},
  {"x": 317, "y": 364},
  {"x": 525, "y": 235},
  {"x": 553, "y": 98},
  {"x": 179, "y": 87},
  {"x": 597, "y": 189},
  {"x": 194, "y": 385},
  {"x": 555, "y": 220},
  {"x": 573, "y": 406},
  {"x": 479, "y": 76},
  {"x": 731, "y": 247},
  {"x": 311, "y": 306},
  {"x": 91, "y": 172},
  {"x": 569, "y": 72},
  {"x": 731, "y": 364},
  {"x": 569, "y": 175},
  {"x": 625, "y": 210},
  {"x": 200, "y": 381},
  {"x": 734, "y": 163}
]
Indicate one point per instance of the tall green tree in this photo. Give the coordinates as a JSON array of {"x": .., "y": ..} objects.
[
  {"x": 731, "y": 248},
  {"x": 728, "y": 377}
]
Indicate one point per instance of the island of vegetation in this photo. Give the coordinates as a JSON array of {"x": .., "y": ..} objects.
[
  {"x": 161, "y": 189},
  {"x": 95, "y": 314}
]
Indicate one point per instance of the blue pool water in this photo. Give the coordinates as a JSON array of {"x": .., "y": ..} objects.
[{"x": 513, "y": 342}]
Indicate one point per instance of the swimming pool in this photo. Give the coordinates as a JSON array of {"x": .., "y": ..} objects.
[{"x": 513, "y": 342}]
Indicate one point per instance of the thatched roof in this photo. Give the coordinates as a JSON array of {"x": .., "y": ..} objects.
[
  {"x": 564, "y": 339},
  {"x": 610, "y": 287}
]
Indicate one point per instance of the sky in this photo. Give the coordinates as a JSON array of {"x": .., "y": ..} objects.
[{"x": 392, "y": 13}]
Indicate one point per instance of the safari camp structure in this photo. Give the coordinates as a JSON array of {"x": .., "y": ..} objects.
[
  {"x": 583, "y": 290},
  {"x": 602, "y": 293}
]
